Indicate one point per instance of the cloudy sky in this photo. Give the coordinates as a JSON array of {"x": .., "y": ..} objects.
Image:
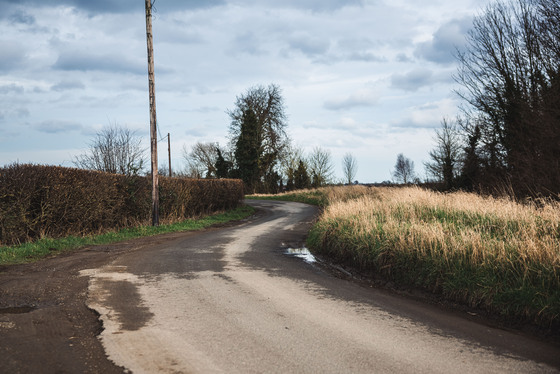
[{"x": 369, "y": 77}]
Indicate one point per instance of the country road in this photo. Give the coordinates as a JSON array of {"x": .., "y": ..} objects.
[{"x": 233, "y": 300}]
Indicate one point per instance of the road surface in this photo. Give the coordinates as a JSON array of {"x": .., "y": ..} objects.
[{"x": 234, "y": 300}]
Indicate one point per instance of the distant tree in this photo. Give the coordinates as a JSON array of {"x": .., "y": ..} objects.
[
  {"x": 115, "y": 149},
  {"x": 267, "y": 106},
  {"x": 201, "y": 160},
  {"x": 163, "y": 170},
  {"x": 301, "y": 177},
  {"x": 349, "y": 167},
  {"x": 404, "y": 170},
  {"x": 223, "y": 167},
  {"x": 445, "y": 157},
  {"x": 290, "y": 162},
  {"x": 321, "y": 168},
  {"x": 247, "y": 151},
  {"x": 272, "y": 182},
  {"x": 471, "y": 170}
]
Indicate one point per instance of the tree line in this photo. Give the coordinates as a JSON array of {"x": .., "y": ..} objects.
[
  {"x": 259, "y": 151},
  {"x": 508, "y": 134}
]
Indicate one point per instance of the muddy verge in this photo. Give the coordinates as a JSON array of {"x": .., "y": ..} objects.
[{"x": 45, "y": 325}]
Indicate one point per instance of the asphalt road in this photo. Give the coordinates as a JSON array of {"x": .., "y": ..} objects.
[{"x": 233, "y": 300}]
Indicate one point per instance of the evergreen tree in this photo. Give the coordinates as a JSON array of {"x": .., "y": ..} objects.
[
  {"x": 247, "y": 151},
  {"x": 301, "y": 177},
  {"x": 222, "y": 167},
  {"x": 267, "y": 106}
]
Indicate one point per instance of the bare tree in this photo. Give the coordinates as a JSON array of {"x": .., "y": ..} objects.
[
  {"x": 509, "y": 74},
  {"x": 115, "y": 149},
  {"x": 320, "y": 167},
  {"x": 201, "y": 160},
  {"x": 404, "y": 170},
  {"x": 445, "y": 156},
  {"x": 290, "y": 163},
  {"x": 349, "y": 167}
]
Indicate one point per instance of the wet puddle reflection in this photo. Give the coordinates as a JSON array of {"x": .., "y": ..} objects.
[{"x": 302, "y": 253}]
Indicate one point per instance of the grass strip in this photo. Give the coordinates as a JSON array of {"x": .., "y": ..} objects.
[{"x": 41, "y": 248}]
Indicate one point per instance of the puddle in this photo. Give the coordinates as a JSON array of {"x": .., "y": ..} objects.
[
  {"x": 17, "y": 309},
  {"x": 302, "y": 253}
]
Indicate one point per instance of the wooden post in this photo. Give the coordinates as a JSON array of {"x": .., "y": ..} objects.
[
  {"x": 153, "y": 122},
  {"x": 169, "y": 152}
]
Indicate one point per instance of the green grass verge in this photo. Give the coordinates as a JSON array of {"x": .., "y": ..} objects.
[{"x": 33, "y": 251}]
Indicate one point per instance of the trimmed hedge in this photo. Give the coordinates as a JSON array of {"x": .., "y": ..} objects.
[{"x": 48, "y": 201}]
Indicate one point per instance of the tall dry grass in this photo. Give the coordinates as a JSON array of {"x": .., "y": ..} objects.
[{"x": 492, "y": 253}]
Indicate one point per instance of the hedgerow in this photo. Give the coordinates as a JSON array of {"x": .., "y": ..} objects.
[{"x": 39, "y": 201}]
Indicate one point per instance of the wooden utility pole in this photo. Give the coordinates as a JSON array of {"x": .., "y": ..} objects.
[
  {"x": 169, "y": 152},
  {"x": 153, "y": 122}
]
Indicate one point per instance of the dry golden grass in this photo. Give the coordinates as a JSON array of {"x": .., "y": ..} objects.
[
  {"x": 488, "y": 252},
  {"x": 479, "y": 228}
]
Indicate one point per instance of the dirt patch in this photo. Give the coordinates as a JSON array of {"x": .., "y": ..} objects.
[{"x": 45, "y": 325}]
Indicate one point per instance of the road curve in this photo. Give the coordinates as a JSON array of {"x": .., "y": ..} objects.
[{"x": 231, "y": 300}]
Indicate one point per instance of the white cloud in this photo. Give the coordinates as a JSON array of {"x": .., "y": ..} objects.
[{"x": 427, "y": 115}]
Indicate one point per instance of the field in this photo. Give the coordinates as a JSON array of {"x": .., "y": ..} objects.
[{"x": 495, "y": 254}]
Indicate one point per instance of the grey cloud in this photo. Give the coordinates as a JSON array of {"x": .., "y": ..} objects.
[
  {"x": 446, "y": 40},
  {"x": 308, "y": 45},
  {"x": 88, "y": 62},
  {"x": 316, "y": 5},
  {"x": 13, "y": 55},
  {"x": 14, "y": 113},
  {"x": 359, "y": 99},
  {"x": 57, "y": 126},
  {"x": 357, "y": 49},
  {"x": 412, "y": 80},
  {"x": 21, "y": 17},
  {"x": 118, "y": 6},
  {"x": 21, "y": 112},
  {"x": 11, "y": 89},
  {"x": 68, "y": 85},
  {"x": 247, "y": 43},
  {"x": 401, "y": 57},
  {"x": 366, "y": 57}
]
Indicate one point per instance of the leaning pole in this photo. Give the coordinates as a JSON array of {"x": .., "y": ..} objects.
[{"x": 153, "y": 122}]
